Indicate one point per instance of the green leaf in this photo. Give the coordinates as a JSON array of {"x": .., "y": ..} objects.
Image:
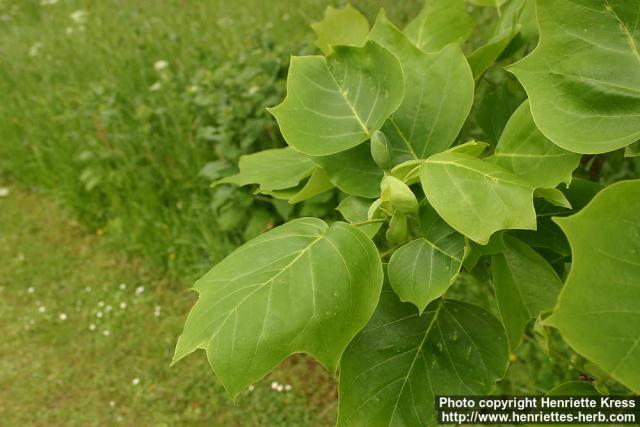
[
  {"x": 581, "y": 106},
  {"x": 495, "y": 108},
  {"x": 488, "y": 3},
  {"x": 439, "y": 23},
  {"x": 423, "y": 269},
  {"x": 476, "y": 197},
  {"x": 598, "y": 311},
  {"x": 318, "y": 183},
  {"x": 356, "y": 209},
  {"x": 553, "y": 196},
  {"x": 394, "y": 369},
  {"x": 408, "y": 172},
  {"x": 353, "y": 171},
  {"x": 525, "y": 285},
  {"x": 301, "y": 287},
  {"x": 276, "y": 169},
  {"x": 525, "y": 151},
  {"x": 632, "y": 150},
  {"x": 336, "y": 103},
  {"x": 438, "y": 95},
  {"x": 506, "y": 29},
  {"x": 472, "y": 148},
  {"x": 341, "y": 27}
]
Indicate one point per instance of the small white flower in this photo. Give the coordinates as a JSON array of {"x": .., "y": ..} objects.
[
  {"x": 99, "y": 314},
  {"x": 160, "y": 65},
  {"x": 68, "y": 30},
  {"x": 42, "y": 309},
  {"x": 274, "y": 385},
  {"x": 155, "y": 87},
  {"x": 280, "y": 388},
  {"x": 88, "y": 289},
  {"x": 112, "y": 404},
  {"x": 123, "y": 286},
  {"x": 34, "y": 50},
  {"x": 108, "y": 308},
  {"x": 288, "y": 387},
  {"x": 139, "y": 290},
  {"x": 106, "y": 332},
  {"x": 79, "y": 16},
  {"x": 253, "y": 90},
  {"x": 62, "y": 316},
  {"x": 30, "y": 289},
  {"x": 251, "y": 388},
  {"x": 123, "y": 305},
  {"x": 48, "y": 2},
  {"x": 4, "y": 192},
  {"x": 193, "y": 88},
  {"x": 135, "y": 381},
  {"x": 92, "y": 327},
  {"x": 101, "y": 304}
]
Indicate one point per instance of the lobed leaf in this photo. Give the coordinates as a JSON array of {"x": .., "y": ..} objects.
[
  {"x": 583, "y": 79},
  {"x": 598, "y": 311},
  {"x": 336, "y": 103},
  {"x": 439, "y": 23},
  {"x": 341, "y": 27},
  {"x": 301, "y": 287}
]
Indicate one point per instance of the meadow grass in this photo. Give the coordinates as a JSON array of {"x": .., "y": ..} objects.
[{"x": 88, "y": 336}]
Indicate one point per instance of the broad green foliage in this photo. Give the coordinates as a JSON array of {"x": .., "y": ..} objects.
[
  {"x": 438, "y": 95},
  {"x": 598, "y": 311},
  {"x": 526, "y": 152},
  {"x": 476, "y": 197},
  {"x": 395, "y": 367},
  {"x": 458, "y": 206},
  {"x": 344, "y": 27},
  {"x": 439, "y": 23},
  {"x": 304, "y": 286},
  {"x": 579, "y": 106},
  {"x": 423, "y": 269},
  {"x": 525, "y": 286},
  {"x": 336, "y": 103}
]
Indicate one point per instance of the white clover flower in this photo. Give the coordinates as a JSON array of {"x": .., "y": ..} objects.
[
  {"x": 99, "y": 314},
  {"x": 79, "y": 16},
  {"x": 30, "y": 289},
  {"x": 160, "y": 65},
  {"x": 62, "y": 316},
  {"x": 288, "y": 387},
  {"x": 42, "y": 309},
  {"x": 280, "y": 388},
  {"x": 135, "y": 381},
  {"x": 101, "y": 304},
  {"x": 92, "y": 327},
  {"x": 274, "y": 385},
  {"x": 155, "y": 87},
  {"x": 123, "y": 305},
  {"x": 106, "y": 332},
  {"x": 123, "y": 286},
  {"x": 139, "y": 290}
]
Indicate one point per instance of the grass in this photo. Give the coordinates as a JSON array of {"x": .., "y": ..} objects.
[{"x": 60, "y": 372}]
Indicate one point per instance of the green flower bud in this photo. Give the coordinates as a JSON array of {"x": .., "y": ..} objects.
[
  {"x": 381, "y": 150},
  {"x": 378, "y": 210},
  {"x": 399, "y": 194},
  {"x": 397, "y": 231}
]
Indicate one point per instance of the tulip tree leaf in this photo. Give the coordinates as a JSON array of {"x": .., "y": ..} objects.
[
  {"x": 275, "y": 169},
  {"x": 353, "y": 171},
  {"x": 341, "y": 27},
  {"x": 336, "y": 103},
  {"x": 356, "y": 209},
  {"x": 394, "y": 369},
  {"x": 632, "y": 150},
  {"x": 476, "y": 197},
  {"x": 439, "y": 23},
  {"x": 583, "y": 79},
  {"x": 438, "y": 95},
  {"x": 525, "y": 286},
  {"x": 301, "y": 287},
  {"x": 423, "y": 269},
  {"x": 553, "y": 196},
  {"x": 525, "y": 151},
  {"x": 598, "y": 311},
  {"x": 318, "y": 183}
]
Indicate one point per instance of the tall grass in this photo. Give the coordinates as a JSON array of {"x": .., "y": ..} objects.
[{"x": 126, "y": 110}]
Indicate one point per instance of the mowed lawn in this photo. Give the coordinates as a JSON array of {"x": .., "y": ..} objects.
[{"x": 88, "y": 335}]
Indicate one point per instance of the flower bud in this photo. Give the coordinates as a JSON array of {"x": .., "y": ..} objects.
[
  {"x": 381, "y": 150},
  {"x": 397, "y": 231},
  {"x": 399, "y": 194}
]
